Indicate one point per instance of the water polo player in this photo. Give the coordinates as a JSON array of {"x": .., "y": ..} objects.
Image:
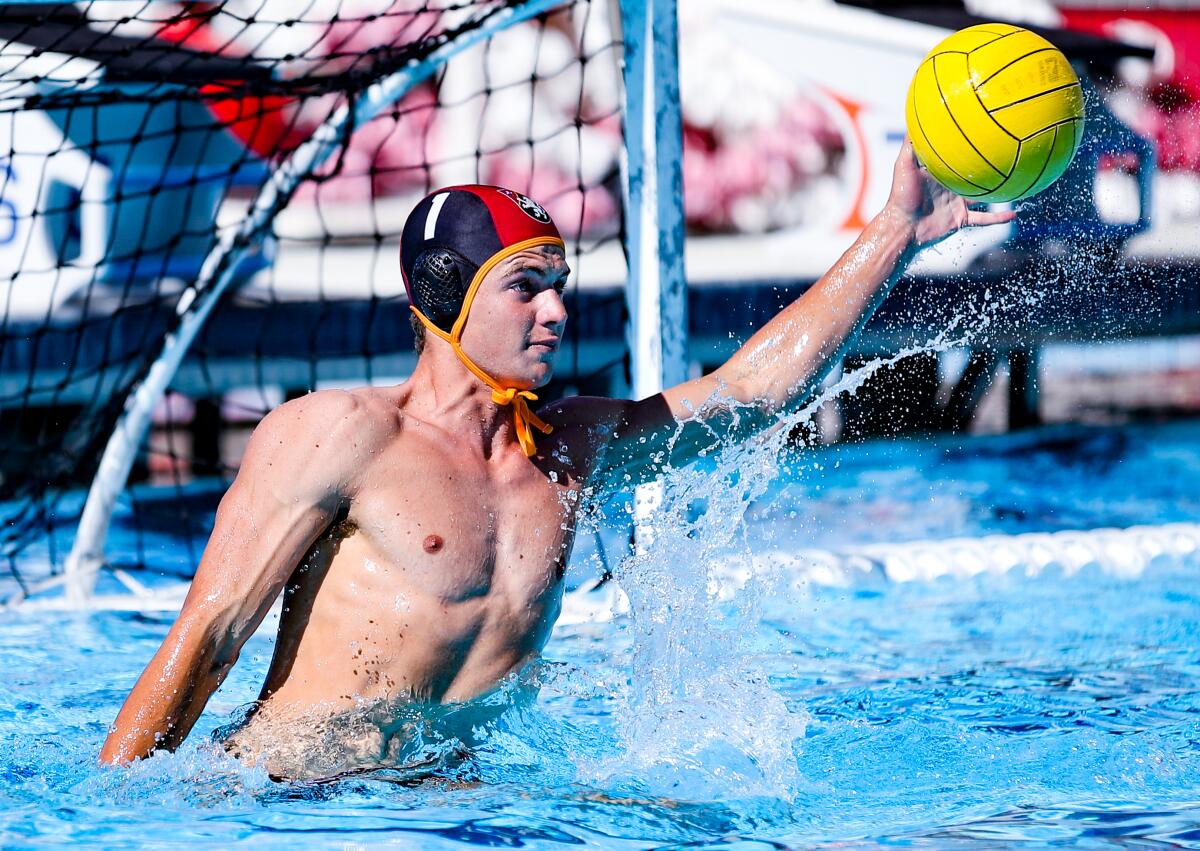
[{"x": 419, "y": 532}]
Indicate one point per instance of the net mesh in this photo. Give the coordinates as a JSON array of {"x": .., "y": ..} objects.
[{"x": 132, "y": 134}]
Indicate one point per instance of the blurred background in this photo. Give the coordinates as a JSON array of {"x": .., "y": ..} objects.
[{"x": 128, "y": 129}]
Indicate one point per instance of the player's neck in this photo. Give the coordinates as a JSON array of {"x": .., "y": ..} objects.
[{"x": 449, "y": 395}]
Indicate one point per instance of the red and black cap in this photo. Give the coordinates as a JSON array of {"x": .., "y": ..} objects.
[{"x": 454, "y": 235}]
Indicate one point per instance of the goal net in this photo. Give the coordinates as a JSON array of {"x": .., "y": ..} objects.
[{"x": 134, "y": 135}]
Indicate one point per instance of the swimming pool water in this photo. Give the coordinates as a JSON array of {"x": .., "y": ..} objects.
[{"x": 998, "y": 708}]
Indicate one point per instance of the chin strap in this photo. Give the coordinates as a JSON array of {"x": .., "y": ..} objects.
[{"x": 523, "y": 417}]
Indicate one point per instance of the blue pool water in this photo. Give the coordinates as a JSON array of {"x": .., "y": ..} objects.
[{"x": 998, "y": 708}]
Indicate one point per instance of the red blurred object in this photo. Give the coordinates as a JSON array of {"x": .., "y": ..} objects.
[
  {"x": 384, "y": 156},
  {"x": 1171, "y": 112},
  {"x": 264, "y": 123}
]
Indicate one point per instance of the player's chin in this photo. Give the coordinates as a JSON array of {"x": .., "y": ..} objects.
[
  {"x": 541, "y": 370},
  {"x": 544, "y": 376}
]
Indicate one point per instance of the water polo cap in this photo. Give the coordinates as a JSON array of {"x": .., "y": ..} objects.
[{"x": 452, "y": 239}]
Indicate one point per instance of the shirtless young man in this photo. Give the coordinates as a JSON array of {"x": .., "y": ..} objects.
[{"x": 419, "y": 533}]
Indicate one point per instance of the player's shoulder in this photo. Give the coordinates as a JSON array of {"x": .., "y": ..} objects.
[
  {"x": 325, "y": 409},
  {"x": 317, "y": 444},
  {"x": 339, "y": 418}
]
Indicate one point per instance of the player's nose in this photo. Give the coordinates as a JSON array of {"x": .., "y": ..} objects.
[{"x": 552, "y": 311}]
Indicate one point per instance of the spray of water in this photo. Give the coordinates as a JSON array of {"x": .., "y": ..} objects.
[{"x": 701, "y": 720}]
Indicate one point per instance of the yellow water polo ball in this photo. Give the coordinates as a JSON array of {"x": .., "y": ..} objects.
[{"x": 995, "y": 113}]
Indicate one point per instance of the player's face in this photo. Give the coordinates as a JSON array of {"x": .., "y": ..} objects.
[{"x": 518, "y": 318}]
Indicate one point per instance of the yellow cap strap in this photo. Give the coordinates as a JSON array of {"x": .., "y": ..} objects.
[{"x": 523, "y": 417}]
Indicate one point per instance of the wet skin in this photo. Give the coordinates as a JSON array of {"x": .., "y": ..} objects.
[
  {"x": 419, "y": 551},
  {"x": 443, "y": 580}
]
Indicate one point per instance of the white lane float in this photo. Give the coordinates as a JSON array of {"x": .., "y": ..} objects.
[{"x": 1125, "y": 553}]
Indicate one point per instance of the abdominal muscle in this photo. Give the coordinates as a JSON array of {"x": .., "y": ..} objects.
[{"x": 372, "y": 670}]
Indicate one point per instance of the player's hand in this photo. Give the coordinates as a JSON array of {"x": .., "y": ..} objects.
[{"x": 933, "y": 211}]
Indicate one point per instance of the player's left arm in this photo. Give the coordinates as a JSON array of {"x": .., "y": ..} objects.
[{"x": 781, "y": 364}]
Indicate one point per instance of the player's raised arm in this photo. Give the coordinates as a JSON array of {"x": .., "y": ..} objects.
[
  {"x": 780, "y": 365},
  {"x": 294, "y": 478}
]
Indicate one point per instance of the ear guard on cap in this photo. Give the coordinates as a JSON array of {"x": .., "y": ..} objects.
[{"x": 440, "y": 278}]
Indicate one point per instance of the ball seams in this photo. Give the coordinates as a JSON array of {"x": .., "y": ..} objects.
[
  {"x": 938, "y": 83},
  {"x": 1008, "y": 65},
  {"x": 1045, "y": 163},
  {"x": 1041, "y": 171},
  {"x": 934, "y": 151},
  {"x": 1001, "y": 127},
  {"x": 1049, "y": 126},
  {"x": 1027, "y": 98},
  {"x": 1000, "y": 37}
]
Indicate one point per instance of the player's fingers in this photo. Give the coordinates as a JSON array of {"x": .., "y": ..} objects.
[{"x": 980, "y": 217}]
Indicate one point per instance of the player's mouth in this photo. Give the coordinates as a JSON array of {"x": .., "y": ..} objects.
[{"x": 549, "y": 344}]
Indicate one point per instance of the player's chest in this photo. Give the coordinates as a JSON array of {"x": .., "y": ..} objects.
[{"x": 460, "y": 531}]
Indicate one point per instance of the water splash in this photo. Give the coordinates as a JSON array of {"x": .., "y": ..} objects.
[{"x": 701, "y": 719}]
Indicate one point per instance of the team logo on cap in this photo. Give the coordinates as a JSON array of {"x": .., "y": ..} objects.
[{"x": 531, "y": 208}]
